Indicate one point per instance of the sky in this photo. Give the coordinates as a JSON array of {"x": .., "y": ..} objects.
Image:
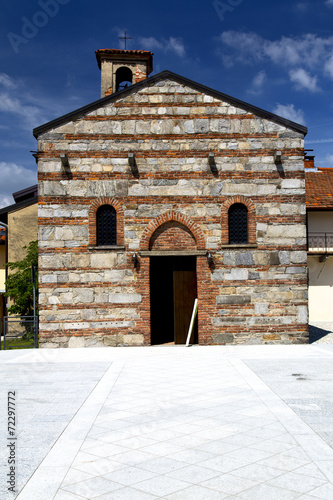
[{"x": 276, "y": 54}]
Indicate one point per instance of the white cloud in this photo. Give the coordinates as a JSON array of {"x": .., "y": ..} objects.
[
  {"x": 289, "y": 112},
  {"x": 329, "y": 3},
  {"x": 307, "y": 50},
  {"x": 303, "y": 80},
  {"x": 329, "y": 67},
  {"x": 329, "y": 160},
  {"x": 7, "y": 81},
  {"x": 5, "y": 200},
  {"x": 14, "y": 178},
  {"x": 176, "y": 45},
  {"x": 258, "y": 82},
  {"x": 32, "y": 115},
  {"x": 172, "y": 44},
  {"x": 321, "y": 141}
]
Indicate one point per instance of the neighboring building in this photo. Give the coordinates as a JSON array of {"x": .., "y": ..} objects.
[
  {"x": 319, "y": 202},
  {"x": 163, "y": 191},
  {"x": 21, "y": 218}
]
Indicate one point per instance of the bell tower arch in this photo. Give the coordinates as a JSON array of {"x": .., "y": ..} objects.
[{"x": 121, "y": 68}]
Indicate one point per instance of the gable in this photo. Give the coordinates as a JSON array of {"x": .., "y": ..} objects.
[{"x": 186, "y": 96}]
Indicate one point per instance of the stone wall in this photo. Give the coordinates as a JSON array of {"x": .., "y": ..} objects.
[{"x": 254, "y": 293}]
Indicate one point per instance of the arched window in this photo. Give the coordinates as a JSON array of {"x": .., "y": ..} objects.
[
  {"x": 123, "y": 78},
  {"x": 238, "y": 224},
  {"x": 106, "y": 225}
]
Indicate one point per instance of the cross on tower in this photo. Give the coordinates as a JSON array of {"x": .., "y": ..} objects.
[{"x": 125, "y": 38}]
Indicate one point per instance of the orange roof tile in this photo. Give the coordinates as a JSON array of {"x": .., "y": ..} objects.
[{"x": 319, "y": 188}]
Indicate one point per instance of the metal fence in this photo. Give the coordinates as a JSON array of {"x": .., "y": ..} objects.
[
  {"x": 19, "y": 332},
  {"x": 320, "y": 242}
]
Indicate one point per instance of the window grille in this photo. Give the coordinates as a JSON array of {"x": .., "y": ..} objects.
[
  {"x": 238, "y": 224},
  {"x": 106, "y": 219}
]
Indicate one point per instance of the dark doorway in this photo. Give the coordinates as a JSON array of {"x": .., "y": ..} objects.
[{"x": 173, "y": 289}]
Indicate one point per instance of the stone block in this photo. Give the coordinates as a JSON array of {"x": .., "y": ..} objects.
[
  {"x": 124, "y": 298},
  {"x": 233, "y": 299},
  {"x": 229, "y": 258},
  {"x": 237, "y": 274},
  {"x": 76, "y": 342},
  {"x": 254, "y": 276},
  {"x": 77, "y": 188},
  {"x": 201, "y": 126},
  {"x": 47, "y": 233},
  {"x": 274, "y": 258},
  {"x": 218, "y": 275},
  {"x": 302, "y": 314},
  {"x": 94, "y": 342},
  {"x": 260, "y": 308},
  {"x": 114, "y": 276},
  {"x": 101, "y": 188},
  {"x": 298, "y": 257},
  {"x": 83, "y": 296},
  {"x": 113, "y": 340},
  {"x": 48, "y": 278},
  {"x": 245, "y": 259},
  {"x": 296, "y": 270},
  {"x": 133, "y": 339},
  {"x": 223, "y": 338},
  {"x": 286, "y": 231},
  {"x": 284, "y": 257},
  {"x": 64, "y": 233},
  {"x": 104, "y": 260},
  {"x": 291, "y": 184}
]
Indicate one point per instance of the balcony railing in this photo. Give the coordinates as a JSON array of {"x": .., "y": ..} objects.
[{"x": 319, "y": 242}]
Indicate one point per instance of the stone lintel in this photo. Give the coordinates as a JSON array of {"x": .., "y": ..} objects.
[
  {"x": 240, "y": 245},
  {"x": 104, "y": 248},
  {"x": 171, "y": 253}
]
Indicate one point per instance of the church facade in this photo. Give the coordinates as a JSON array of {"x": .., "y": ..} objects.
[{"x": 161, "y": 192}]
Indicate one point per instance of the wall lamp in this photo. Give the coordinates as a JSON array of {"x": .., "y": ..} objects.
[
  {"x": 132, "y": 163},
  {"x": 209, "y": 259},
  {"x": 64, "y": 161},
  {"x": 135, "y": 259},
  {"x": 277, "y": 156},
  {"x": 211, "y": 159}
]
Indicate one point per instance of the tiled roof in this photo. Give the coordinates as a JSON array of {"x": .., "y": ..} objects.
[
  {"x": 146, "y": 54},
  {"x": 319, "y": 188}
]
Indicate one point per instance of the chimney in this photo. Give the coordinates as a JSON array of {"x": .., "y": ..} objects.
[
  {"x": 122, "y": 68},
  {"x": 309, "y": 163}
]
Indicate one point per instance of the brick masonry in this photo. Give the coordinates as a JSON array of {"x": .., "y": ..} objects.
[{"x": 176, "y": 201}]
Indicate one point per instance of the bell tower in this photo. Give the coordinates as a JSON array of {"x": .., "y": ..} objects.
[{"x": 121, "y": 68}]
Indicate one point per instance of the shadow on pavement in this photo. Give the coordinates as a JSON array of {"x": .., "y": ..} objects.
[{"x": 316, "y": 333}]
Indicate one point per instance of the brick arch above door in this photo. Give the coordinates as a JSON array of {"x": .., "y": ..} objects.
[{"x": 168, "y": 225}]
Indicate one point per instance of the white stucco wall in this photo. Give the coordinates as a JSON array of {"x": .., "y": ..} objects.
[
  {"x": 320, "y": 273},
  {"x": 320, "y": 289}
]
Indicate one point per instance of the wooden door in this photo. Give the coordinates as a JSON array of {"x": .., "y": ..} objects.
[{"x": 184, "y": 292}]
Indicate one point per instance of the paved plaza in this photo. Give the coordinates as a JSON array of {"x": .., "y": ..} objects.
[{"x": 234, "y": 422}]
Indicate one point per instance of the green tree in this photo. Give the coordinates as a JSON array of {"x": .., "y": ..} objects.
[{"x": 19, "y": 287}]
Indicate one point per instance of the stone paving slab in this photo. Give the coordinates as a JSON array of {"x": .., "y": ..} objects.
[{"x": 170, "y": 422}]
